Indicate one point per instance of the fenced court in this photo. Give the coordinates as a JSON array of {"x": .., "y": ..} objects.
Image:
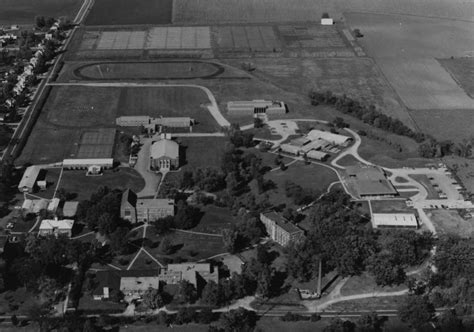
[
  {"x": 255, "y": 38},
  {"x": 121, "y": 40},
  {"x": 311, "y": 36},
  {"x": 96, "y": 143}
]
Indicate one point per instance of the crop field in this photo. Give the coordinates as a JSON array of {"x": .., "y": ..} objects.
[
  {"x": 161, "y": 38},
  {"x": 250, "y": 38},
  {"x": 462, "y": 71},
  {"x": 228, "y": 11},
  {"x": 24, "y": 11},
  {"x": 117, "y": 12},
  {"x": 405, "y": 47},
  {"x": 147, "y": 70},
  {"x": 434, "y": 122}
]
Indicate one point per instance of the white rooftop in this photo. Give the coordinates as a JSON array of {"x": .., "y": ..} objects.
[
  {"x": 51, "y": 224},
  {"x": 394, "y": 220}
]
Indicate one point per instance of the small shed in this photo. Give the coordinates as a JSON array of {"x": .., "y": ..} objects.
[{"x": 70, "y": 209}]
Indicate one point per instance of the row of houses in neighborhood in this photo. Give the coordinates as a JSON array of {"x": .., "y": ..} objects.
[{"x": 133, "y": 283}]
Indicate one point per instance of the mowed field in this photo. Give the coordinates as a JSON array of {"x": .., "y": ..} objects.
[
  {"x": 118, "y": 12},
  {"x": 220, "y": 11},
  {"x": 462, "y": 71},
  {"x": 24, "y": 11},
  {"x": 147, "y": 70}
]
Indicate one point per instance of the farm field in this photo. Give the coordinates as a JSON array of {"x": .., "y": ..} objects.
[
  {"x": 462, "y": 70},
  {"x": 221, "y": 11},
  {"x": 117, "y": 12},
  {"x": 405, "y": 47},
  {"x": 433, "y": 122},
  {"x": 147, "y": 70},
  {"x": 24, "y": 11},
  {"x": 356, "y": 77},
  {"x": 450, "y": 222}
]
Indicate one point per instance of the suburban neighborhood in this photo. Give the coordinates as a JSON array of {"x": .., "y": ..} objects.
[{"x": 236, "y": 165}]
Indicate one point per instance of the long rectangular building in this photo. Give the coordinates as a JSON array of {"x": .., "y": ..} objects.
[
  {"x": 394, "y": 220},
  {"x": 28, "y": 181},
  {"x": 255, "y": 107},
  {"x": 332, "y": 138},
  {"x": 280, "y": 230},
  {"x": 86, "y": 163}
]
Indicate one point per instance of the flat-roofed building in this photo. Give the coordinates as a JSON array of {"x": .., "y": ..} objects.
[
  {"x": 332, "y": 138},
  {"x": 164, "y": 155},
  {"x": 394, "y": 220},
  {"x": 70, "y": 208},
  {"x": 198, "y": 274},
  {"x": 153, "y": 125},
  {"x": 35, "y": 205},
  {"x": 137, "y": 285},
  {"x": 315, "y": 145},
  {"x": 300, "y": 141},
  {"x": 291, "y": 149},
  {"x": 317, "y": 155},
  {"x": 370, "y": 181},
  {"x": 280, "y": 230},
  {"x": 28, "y": 181},
  {"x": 130, "y": 282},
  {"x": 255, "y": 107},
  {"x": 136, "y": 209},
  {"x": 56, "y": 227},
  {"x": 105, "y": 163}
]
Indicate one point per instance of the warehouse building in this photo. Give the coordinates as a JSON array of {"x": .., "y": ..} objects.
[
  {"x": 394, "y": 220},
  {"x": 28, "y": 181},
  {"x": 255, "y": 107},
  {"x": 280, "y": 230},
  {"x": 317, "y": 155},
  {"x": 370, "y": 181},
  {"x": 164, "y": 155},
  {"x": 104, "y": 163},
  {"x": 291, "y": 149},
  {"x": 136, "y": 209}
]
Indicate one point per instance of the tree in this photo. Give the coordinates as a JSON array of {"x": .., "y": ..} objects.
[
  {"x": 116, "y": 295},
  {"x": 448, "y": 322},
  {"x": 89, "y": 326},
  {"x": 416, "y": 311},
  {"x": 185, "y": 315},
  {"x": 163, "y": 318},
  {"x": 338, "y": 325},
  {"x": 369, "y": 323},
  {"x": 186, "y": 292},
  {"x": 152, "y": 299},
  {"x": 164, "y": 225},
  {"x": 118, "y": 240},
  {"x": 239, "y": 320},
  {"x": 264, "y": 282},
  {"x": 205, "y": 316},
  {"x": 40, "y": 21},
  {"x": 211, "y": 294},
  {"x": 166, "y": 246},
  {"x": 187, "y": 216},
  {"x": 14, "y": 320},
  {"x": 257, "y": 122},
  {"x": 106, "y": 224},
  {"x": 385, "y": 270}
]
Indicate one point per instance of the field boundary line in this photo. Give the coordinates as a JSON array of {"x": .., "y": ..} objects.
[{"x": 196, "y": 233}]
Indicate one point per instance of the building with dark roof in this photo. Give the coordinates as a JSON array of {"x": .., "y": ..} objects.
[
  {"x": 280, "y": 230},
  {"x": 370, "y": 181},
  {"x": 136, "y": 209}
]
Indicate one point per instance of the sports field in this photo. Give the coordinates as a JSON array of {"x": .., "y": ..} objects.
[
  {"x": 96, "y": 143},
  {"x": 250, "y": 38},
  {"x": 24, "y": 11},
  {"x": 405, "y": 47},
  {"x": 147, "y": 70},
  {"x": 118, "y": 12}
]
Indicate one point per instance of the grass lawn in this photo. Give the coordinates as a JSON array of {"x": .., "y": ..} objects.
[
  {"x": 190, "y": 247},
  {"x": 407, "y": 194},
  {"x": 310, "y": 176},
  {"x": 390, "y": 206},
  {"x": 87, "y": 303},
  {"x": 215, "y": 219},
  {"x": 464, "y": 170},
  {"x": 168, "y": 101},
  {"x": 202, "y": 152},
  {"x": 77, "y": 181},
  {"x": 117, "y": 12},
  {"x": 425, "y": 182},
  {"x": 400, "y": 179},
  {"x": 15, "y": 302},
  {"x": 144, "y": 262},
  {"x": 369, "y": 304},
  {"x": 462, "y": 70},
  {"x": 264, "y": 133},
  {"x": 365, "y": 283},
  {"x": 24, "y": 11},
  {"x": 450, "y": 222},
  {"x": 348, "y": 160}
]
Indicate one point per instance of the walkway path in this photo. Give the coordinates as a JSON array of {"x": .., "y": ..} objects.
[
  {"x": 352, "y": 150},
  {"x": 213, "y": 107}
]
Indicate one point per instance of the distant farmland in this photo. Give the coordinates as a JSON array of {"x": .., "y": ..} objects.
[
  {"x": 24, "y": 11},
  {"x": 462, "y": 70},
  {"x": 118, "y": 12}
]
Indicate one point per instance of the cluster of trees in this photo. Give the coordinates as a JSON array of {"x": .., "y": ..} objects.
[
  {"x": 9, "y": 177},
  {"x": 186, "y": 217},
  {"x": 239, "y": 138},
  {"x": 44, "y": 22},
  {"x": 432, "y": 148},
  {"x": 207, "y": 179},
  {"x": 367, "y": 114},
  {"x": 341, "y": 239},
  {"x": 246, "y": 232},
  {"x": 300, "y": 195}
]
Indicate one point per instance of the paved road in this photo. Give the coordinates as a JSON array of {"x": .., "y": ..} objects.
[{"x": 213, "y": 107}]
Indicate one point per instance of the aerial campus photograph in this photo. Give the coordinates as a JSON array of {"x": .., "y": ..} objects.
[{"x": 237, "y": 165}]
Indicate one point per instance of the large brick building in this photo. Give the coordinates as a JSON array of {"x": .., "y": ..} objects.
[
  {"x": 136, "y": 209},
  {"x": 164, "y": 155},
  {"x": 280, "y": 230}
]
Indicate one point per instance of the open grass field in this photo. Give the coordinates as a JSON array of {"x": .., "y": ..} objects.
[
  {"x": 462, "y": 71},
  {"x": 118, "y": 12},
  {"x": 365, "y": 283},
  {"x": 390, "y": 206},
  {"x": 215, "y": 220},
  {"x": 369, "y": 304},
  {"x": 405, "y": 47},
  {"x": 24, "y": 11},
  {"x": 147, "y": 70},
  {"x": 465, "y": 170},
  {"x": 450, "y": 222},
  {"x": 433, "y": 122},
  {"x": 356, "y": 77}
]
